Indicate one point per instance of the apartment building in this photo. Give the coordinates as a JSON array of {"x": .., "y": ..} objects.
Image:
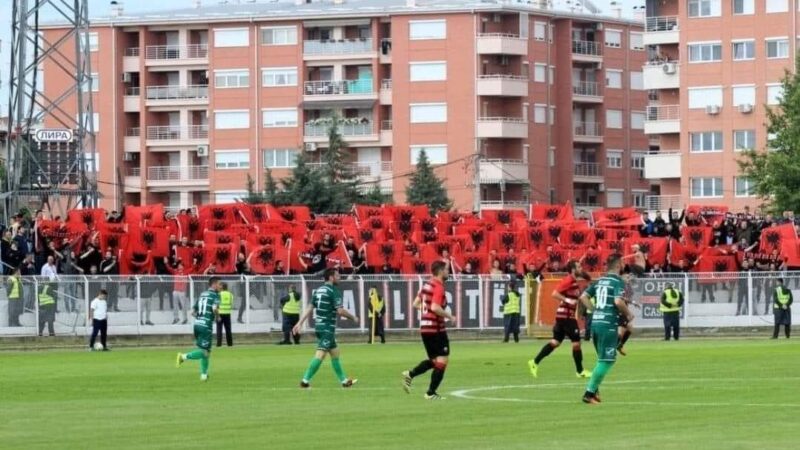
[
  {"x": 715, "y": 67},
  {"x": 514, "y": 102}
]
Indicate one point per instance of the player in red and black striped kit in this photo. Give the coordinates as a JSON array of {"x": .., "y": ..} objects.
[
  {"x": 568, "y": 294},
  {"x": 433, "y": 301}
]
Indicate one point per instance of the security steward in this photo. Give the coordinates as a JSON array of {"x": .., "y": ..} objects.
[
  {"x": 224, "y": 321},
  {"x": 47, "y": 309},
  {"x": 377, "y": 308},
  {"x": 782, "y": 308},
  {"x": 511, "y": 306},
  {"x": 671, "y": 304},
  {"x": 290, "y": 306},
  {"x": 14, "y": 298}
]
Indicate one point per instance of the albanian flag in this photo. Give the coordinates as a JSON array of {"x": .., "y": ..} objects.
[
  {"x": 697, "y": 238},
  {"x": 710, "y": 213},
  {"x": 93, "y": 218},
  {"x": 617, "y": 218},
  {"x": 220, "y": 237},
  {"x": 655, "y": 249},
  {"x": 339, "y": 257},
  {"x": 145, "y": 215},
  {"x": 113, "y": 241},
  {"x": 223, "y": 256},
  {"x": 364, "y": 212},
  {"x": 577, "y": 237},
  {"x": 407, "y": 213},
  {"x": 390, "y": 253},
  {"x": 193, "y": 259},
  {"x": 502, "y": 217},
  {"x": 594, "y": 260},
  {"x": 149, "y": 239},
  {"x": 773, "y": 238},
  {"x": 217, "y": 213},
  {"x": 551, "y": 212},
  {"x": 262, "y": 259}
]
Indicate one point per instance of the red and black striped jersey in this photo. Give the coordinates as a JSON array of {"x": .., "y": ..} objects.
[
  {"x": 570, "y": 289},
  {"x": 432, "y": 292}
]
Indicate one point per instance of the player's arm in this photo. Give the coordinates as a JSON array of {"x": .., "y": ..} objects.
[
  {"x": 215, "y": 308},
  {"x": 345, "y": 313},
  {"x": 441, "y": 312},
  {"x": 303, "y": 318},
  {"x": 623, "y": 308},
  {"x": 586, "y": 301}
]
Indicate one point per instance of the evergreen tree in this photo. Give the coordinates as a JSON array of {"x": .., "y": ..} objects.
[
  {"x": 425, "y": 188},
  {"x": 341, "y": 184},
  {"x": 774, "y": 174},
  {"x": 253, "y": 197},
  {"x": 271, "y": 194},
  {"x": 304, "y": 186},
  {"x": 374, "y": 196}
]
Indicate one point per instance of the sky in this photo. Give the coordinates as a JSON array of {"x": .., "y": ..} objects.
[{"x": 101, "y": 8}]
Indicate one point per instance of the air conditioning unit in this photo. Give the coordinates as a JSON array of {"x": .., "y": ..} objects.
[
  {"x": 310, "y": 147},
  {"x": 712, "y": 110},
  {"x": 128, "y": 156},
  {"x": 670, "y": 68},
  {"x": 598, "y": 27},
  {"x": 127, "y": 77},
  {"x": 601, "y": 187},
  {"x": 745, "y": 108},
  {"x": 496, "y": 18},
  {"x": 504, "y": 60},
  {"x": 202, "y": 151}
]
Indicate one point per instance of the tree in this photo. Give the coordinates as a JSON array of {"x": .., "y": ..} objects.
[
  {"x": 304, "y": 186},
  {"x": 341, "y": 184},
  {"x": 425, "y": 188},
  {"x": 375, "y": 196},
  {"x": 271, "y": 193},
  {"x": 774, "y": 175},
  {"x": 253, "y": 197}
]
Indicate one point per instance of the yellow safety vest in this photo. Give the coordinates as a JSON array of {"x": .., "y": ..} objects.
[
  {"x": 783, "y": 297},
  {"x": 45, "y": 298},
  {"x": 377, "y": 304},
  {"x": 14, "y": 292},
  {"x": 225, "y": 302},
  {"x": 293, "y": 305},
  {"x": 512, "y": 306},
  {"x": 673, "y": 296}
]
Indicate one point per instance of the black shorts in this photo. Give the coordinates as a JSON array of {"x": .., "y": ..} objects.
[
  {"x": 436, "y": 344},
  {"x": 566, "y": 328}
]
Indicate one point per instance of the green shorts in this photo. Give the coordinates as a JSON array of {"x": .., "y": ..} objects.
[
  {"x": 605, "y": 341},
  {"x": 203, "y": 337},
  {"x": 326, "y": 340}
]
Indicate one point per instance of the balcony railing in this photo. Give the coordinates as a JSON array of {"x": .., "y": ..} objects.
[
  {"x": 663, "y": 112},
  {"x": 346, "y": 129},
  {"x": 362, "y": 169},
  {"x": 502, "y": 76},
  {"x": 177, "y": 132},
  {"x": 345, "y": 87},
  {"x": 662, "y": 202},
  {"x": 386, "y": 84},
  {"x": 504, "y": 35},
  {"x": 587, "y": 169},
  {"x": 177, "y": 173},
  {"x": 337, "y": 47},
  {"x": 133, "y": 132},
  {"x": 177, "y": 92},
  {"x": 162, "y": 52},
  {"x": 134, "y": 91},
  {"x": 586, "y": 88},
  {"x": 588, "y": 129},
  {"x": 661, "y": 23},
  {"x": 590, "y": 48},
  {"x": 502, "y": 119},
  {"x": 386, "y": 125},
  {"x": 133, "y": 51},
  {"x": 133, "y": 172}
]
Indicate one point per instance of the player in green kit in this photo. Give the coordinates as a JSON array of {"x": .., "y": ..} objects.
[
  {"x": 326, "y": 304},
  {"x": 205, "y": 312},
  {"x": 609, "y": 306}
]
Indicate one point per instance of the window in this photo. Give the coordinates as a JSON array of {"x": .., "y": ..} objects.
[
  {"x": 428, "y": 71},
  {"x": 231, "y": 120},
  {"x": 92, "y": 81},
  {"x": 613, "y": 38},
  {"x": 94, "y": 41},
  {"x": 552, "y": 115},
  {"x": 706, "y": 187},
  {"x": 744, "y": 188},
  {"x": 231, "y": 37},
  {"x": 706, "y": 52},
  {"x": 614, "y": 78},
  {"x": 278, "y": 158},
  {"x": 699, "y": 98},
  {"x": 637, "y": 82},
  {"x": 614, "y": 198},
  {"x": 704, "y": 8},
  {"x": 539, "y": 113},
  {"x": 637, "y": 120},
  {"x": 539, "y": 31},
  {"x": 638, "y": 198},
  {"x": 232, "y": 159},
  {"x": 551, "y": 75},
  {"x": 614, "y": 159},
  {"x": 279, "y": 117},
  {"x": 743, "y": 7},
  {"x": 778, "y": 48},
  {"x": 771, "y": 137},
  {"x": 279, "y": 76},
  {"x": 637, "y": 40},
  {"x": 539, "y": 72},
  {"x": 224, "y": 79},
  {"x": 706, "y": 141},
  {"x": 744, "y": 140},
  {"x": 428, "y": 112},
  {"x": 777, "y": 6},
  {"x": 744, "y": 95},
  {"x": 743, "y": 50},
  {"x": 427, "y": 29},
  {"x": 437, "y": 154},
  {"x": 774, "y": 94},
  {"x": 279, "y": 36},
  {"x": 613, "y": 118},
  {"x": 92, "y": 166},
  {"x": 637, "y": 160},
  {"x": 95, "y": 121},
  {"x": 222, "y": 197}
]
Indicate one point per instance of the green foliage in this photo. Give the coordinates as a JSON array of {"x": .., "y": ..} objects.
[
  {"x": 374, "y": 196},
  {"x": 774, "y": 174},
  {"x": 341, "y": 184},
  {"x": 271, "y": 193},
  {"x": 253, "y": 197},
  {"x": 425, "y": 188}
]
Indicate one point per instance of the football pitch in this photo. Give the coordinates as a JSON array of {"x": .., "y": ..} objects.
[{"x": 690, "y": 394}]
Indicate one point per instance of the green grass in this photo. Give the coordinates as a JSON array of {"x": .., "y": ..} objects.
[{"x": 701, "y": 394}]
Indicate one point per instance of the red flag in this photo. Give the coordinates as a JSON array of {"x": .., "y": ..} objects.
[
  {"x": 537, "y": 238},
  {"x": 408, "y": 212},
  {"x": 577, "y": 236},
  {"x": 551, "y": 212},
  {"x": 254, "y": 213},
  {"x": 193, "y": 259},
  {"x": 294, "y": 213},
  {"x": 217, "y": 213},
  {"x": 416, "y": 266},
  {"x": 790, "y": 251},
  {"x": 503, "y": 241},
  {"x": 594, "y": 260},
  {"x": 339, "y": 221},
  {"x": 401, "y": 230},
  {"x": 697, "y": 238},
  {"x": 222, "y": 256},
  {"x": 262, "y": 259},
  {"x": 390, "y": 253},
  {"x": 93, "y": 218},
  {"x": 475, "y": 238},
  {"x": 364, "y": 212},
  {"x": 717, "y": 263},
  {"x": 134, "y": 263},
  {"x": 773, "y": 238},
  {"x": 220, "y": 237},
  {"x": 149, "y": 239},
  {"x": 113, "y": 241},
  {"x": 655, "y": 249},
  {"x": 478, "y": 260},
  {"x": 260, "y": 240},
  {"x": 710, "y": 213},
  {"x": 617, "y": 218},
  {"x": 339, "y": 257},
  {"x": 190, "y": 227},
  {"x": 502, "y": 217},
  {"x": 152, "y": 215}
]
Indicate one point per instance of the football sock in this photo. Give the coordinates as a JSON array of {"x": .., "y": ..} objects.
[
  {"x": 625, "y": 337},
  {"x": 204, "y": 361},
  {"x": 313, "y": 367},
  {"x": 194, "y": 354},
  {"x": 436, "y": 377},
  {"x": 546, "y": 350},
  {"x": 337, "y": 367},
  {"x": 577, "y": 355},
  {"x": 598, "y": 374},
  {"x": 421, "y": 368}
]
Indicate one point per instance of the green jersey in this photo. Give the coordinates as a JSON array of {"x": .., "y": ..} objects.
[
  {"x": 204, "y": 309},
  {"x": 604, "y": 292},
  {"x": 327, "y": 300}
]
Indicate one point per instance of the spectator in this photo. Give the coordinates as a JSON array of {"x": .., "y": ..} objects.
[
  {"x": 659, "y": 226},
  {"x": 110, "y": 268},
  {"x": 646, "y": 228}
]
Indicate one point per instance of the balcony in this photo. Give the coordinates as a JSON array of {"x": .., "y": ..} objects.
[
  {"x": 587, "y": 172},
  {"x": 662, "y": 75},
  {"x": 662, "y": 202},
  {"x": 586, "y": 92},
  {"x": 133, "y": 179},
  {"x": 317, "y": 132},
  {"x": 132, "y": 141},
  {"x": 590, "y": 132},
  {"x": 177, "y": 135},
  {"x": 500, "y": 204},
  {"x": 502, "y": 127},
  {"x": 387, "y": 136},
  {"x": 166, "y": 55},
  {"x": 662, "y": 119},
  {"x": 385, "y": 95},
  {"x": 499, "y": 171},
  {"x": 131, "y": 101},
  {"x": 176, "y": 95},
  {"x": 385, "y": 51},
  {"x": 339, "y": 49},
  {"x": 502, "y": 44},
  {"x": 587, "y": 51},
  {"x": 342, "y": 94},
  {"x": 661, "y": 30},
  {"x": 662, "y": 165},
  {"x": 131, "y": 59},
  {"x": 368, "y": 171},
  {"x": 176, "y": 176},
  {"x": 502, "y": 85}
]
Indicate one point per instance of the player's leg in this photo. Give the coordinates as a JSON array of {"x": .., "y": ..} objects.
[
  {"x": 336, "y": 363},
  {"x": 577, "y": 353},
  {"x": 606, "y": 346},
  {"x": 95, "y": 331},
  {"x": 558, "y": 337},
  {"x": 439, "y": 366},
  {"x": 324, "y": 343},
  {"x": 423, "y": 366},
  {"x": 104, "y": 333}
]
